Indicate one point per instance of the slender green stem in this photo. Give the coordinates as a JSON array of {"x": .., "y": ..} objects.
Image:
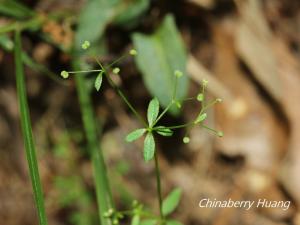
[
  {"x": 125, "y": 99},
  {"x": 103, "y": 193},
  {"x": 27, "y": 133},
  {"x": 212, "y": 130},
  {"x": 36, "y": 21},
  {"x": 179, "y": 126},
  {"x": 116, "y": 61},
  {"x": 175, "y": 88},
  {"x": 84, "y": 71},
  {"x": 189, "y": 99},
  {"x": 210, "y": 104},
  {"x": 163, "y": 113},
  {"x": 157, "y": 172}
]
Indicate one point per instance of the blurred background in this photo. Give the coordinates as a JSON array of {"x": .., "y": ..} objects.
[{"x": 248, "y": 50}]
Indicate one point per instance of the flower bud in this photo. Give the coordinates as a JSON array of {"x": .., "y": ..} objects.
[
  {"x": 64, "y": 74},
  {"x": 186, "y": 140}
]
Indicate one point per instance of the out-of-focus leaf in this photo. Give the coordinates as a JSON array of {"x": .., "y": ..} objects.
[
  {"x": 132, "y": 12},
  {"x": 173, "y": 222},
  {"x": 149, "y": 147},
  {"x": 15, "y": 9},
  {"x": 135, "y": 220},
  {"x": 148, "y": 222},
  {"x": 171, "y": 201},
  {"x": 159, "y": 55},
  {"x": 93, "y": 19},
  {"x": 6, "y": 43}
]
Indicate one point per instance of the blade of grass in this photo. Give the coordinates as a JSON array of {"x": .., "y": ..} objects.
[
  {"x": 27, "y": 133},
  {"x": 103, "y": 193}
]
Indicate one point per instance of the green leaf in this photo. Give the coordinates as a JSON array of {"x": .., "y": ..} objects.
[
  {"x": 15, "y": 9},
  {"x": 201, "y": 117},
  {"x": 93, "y": 20},
  {"x": 149, "y": 147},
  {"x": 98, "y": 81},
  {"x": 130, "y": 14},
  {"x": 152, "y": 113},
  {"x": 6, "y": 43},
  {"x": 173, "y": 222},
  {"x": 164, "y": 131},
  {"x": 149, "y": 222},
  {"x": 135, "y": 135},
  {"x": 27, "y": 132},
  {"x": 160, "y": 54},
  {"x": 171, "y": 201},
  {"x": 135, "y": 220}
]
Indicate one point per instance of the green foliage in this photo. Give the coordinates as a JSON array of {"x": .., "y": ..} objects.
[
  {"x": 201, "y": 117},
  {"x": 27, "y": 133},
  {"x": 135, "y": 135},
  {"x": 15, "y": 9},
  {"x": 174, "y": 90},
  {"x": 171, "y": 202},
  {"x": 97, "y": 14},
  {"x": 160, "y": 54},
  {"x": 98, "y": 81},
  {"x": 93, "y": 19},
  {"x": 173, "y": 222},
  {"x": 152, "y": 112},
  {"x": 131, "y": 12},
  {"x": 164, "y": 131},
  {"x": 6, "y": 43},
  {"x": 149, "y": 222},
  {"x": 103, "y": 192},
  {"x": 135, "y": 220},
  {"x": 149, "y": 147}
]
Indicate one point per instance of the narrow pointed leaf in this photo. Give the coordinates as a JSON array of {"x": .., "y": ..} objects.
[
  {"x": 201, "y": 117},
  {"x": 171, "y": 201},
  {"x": 153, "y": 109},
  {"x": 98, "y": 81},
  {"x": 149, "y": 147},
  {"x": 164, "y": 131},
  {"x": 135, "y": 135},
  {"x": 27, "y": 133}
]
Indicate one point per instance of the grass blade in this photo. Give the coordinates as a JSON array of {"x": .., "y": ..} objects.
[
  {"x": 27, "y": 133},
  {"x": 103, "y": 193}
]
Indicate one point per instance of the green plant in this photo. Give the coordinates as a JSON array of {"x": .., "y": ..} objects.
[
  {"x": 27, "y": 132},
  {"x": 150, "y": 128}
]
